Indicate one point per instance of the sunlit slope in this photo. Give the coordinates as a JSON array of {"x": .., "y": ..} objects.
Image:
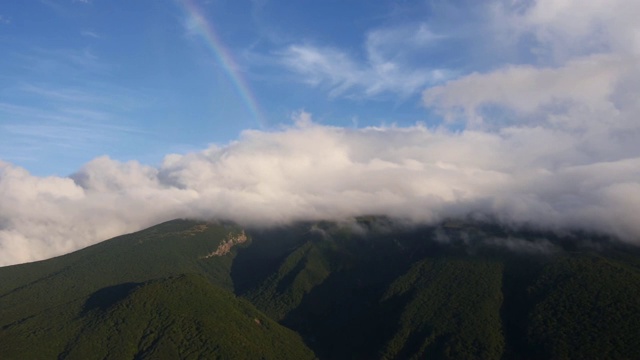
[
  {"x": 170, "y": 248},
  {"x": 182, "y": 317},
  {"x": 112, "y": 293}
]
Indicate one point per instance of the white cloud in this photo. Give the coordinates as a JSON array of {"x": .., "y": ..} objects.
[
  {"x": 587, "y": 81},
  {"x": 538, "y": 176},
  {"x": 386, "y": 68},
  {"x": 583, "y": 77},
  {"x": 568, "y": 27}
]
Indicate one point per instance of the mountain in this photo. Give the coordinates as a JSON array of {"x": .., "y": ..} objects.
[
  {"x": 369, "y": 288},
  {"x": 160, "y": 293}
]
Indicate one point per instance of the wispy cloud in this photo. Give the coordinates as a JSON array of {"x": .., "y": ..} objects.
[
  {"x": 69, "y": 126},
  {"x": 387, "y": 66},
  {"x": 89, "y": 33},
  {"x": 51, "y": 62},
  {"x": 60, "y": 103},
  {"x": 61, "y": 94},
  {"x": 4, "y": 20},
  {"x": 65, "y": 135}
]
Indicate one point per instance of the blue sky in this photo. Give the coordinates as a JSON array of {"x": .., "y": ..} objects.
[{"x": 130, "y": 80}]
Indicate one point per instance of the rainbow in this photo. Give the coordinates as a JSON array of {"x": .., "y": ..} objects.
[{"x": 206, "y": 31}]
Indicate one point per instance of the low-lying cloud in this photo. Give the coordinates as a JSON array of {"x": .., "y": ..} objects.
[{"x": 536, "y": 176}]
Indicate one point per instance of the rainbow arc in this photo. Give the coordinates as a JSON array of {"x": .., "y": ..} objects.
[{"x": 205, "y": 30}]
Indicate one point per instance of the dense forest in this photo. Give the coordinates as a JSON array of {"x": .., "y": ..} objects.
[{"x": 365, "y": 288}]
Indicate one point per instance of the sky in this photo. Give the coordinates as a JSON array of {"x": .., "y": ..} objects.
[
  {"x": 116, "y": 115},
  {"x": 136, "y": 80}
]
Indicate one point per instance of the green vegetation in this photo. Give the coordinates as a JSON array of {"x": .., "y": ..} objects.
[
  {"x": 171, "y": 248},
  {"x": 184, "y": 317},
  {"x": 120, "y": 299},
  {"x": 449, "y": 309},
  {"x": 586, "y": 305},
  {"x": 367, "y": 289},
  {"x": 304, "y": 269}
]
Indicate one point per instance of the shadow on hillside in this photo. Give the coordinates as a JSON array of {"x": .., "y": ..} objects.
[{"x": 106, "y": 297}]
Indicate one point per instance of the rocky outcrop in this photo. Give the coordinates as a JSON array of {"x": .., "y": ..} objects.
[{"x": 229, "y": 242}]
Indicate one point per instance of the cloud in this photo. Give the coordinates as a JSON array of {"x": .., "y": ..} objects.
[
  {"x": 388, "y": 66},
  {"x": 89, "y": 33},
  {"x": 587, "y": 81},
  {"x": 60, "y": 105},
  {"x": 581, "y": 79},
  {"x": 310, "y": 171},
  {"x": 41, "y": 121},
  {"x": 567, "y": 28}
]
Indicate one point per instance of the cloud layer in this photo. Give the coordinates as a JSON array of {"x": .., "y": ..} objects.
[{"x": 537, "y": 176}]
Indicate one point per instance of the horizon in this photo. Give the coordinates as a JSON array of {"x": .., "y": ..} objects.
[{"x": 115, "y": 116}]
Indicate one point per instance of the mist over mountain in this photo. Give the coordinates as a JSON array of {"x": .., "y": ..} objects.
[{"x": 546, "y": 178}]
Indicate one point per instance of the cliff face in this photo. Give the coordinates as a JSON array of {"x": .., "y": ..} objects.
[{"x": 229, "y": 242}]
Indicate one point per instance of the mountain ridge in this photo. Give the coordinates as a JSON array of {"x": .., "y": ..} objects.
[{"x": 366, "y": 288}]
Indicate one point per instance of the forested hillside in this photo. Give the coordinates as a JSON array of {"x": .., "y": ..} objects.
[{"x": 361, "y": 289}]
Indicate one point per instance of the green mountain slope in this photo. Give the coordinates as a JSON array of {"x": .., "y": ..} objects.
[
  {"x": 45, "y": 307},
  {"x": 363, "y": 289},
  {"x": 184, "y": 317},
  {"x": 586, "y": 305},
  {"x": 449, "y": 310},
  {"x": 171, "y": 248},
  {"x": 483, "y": 292}
]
